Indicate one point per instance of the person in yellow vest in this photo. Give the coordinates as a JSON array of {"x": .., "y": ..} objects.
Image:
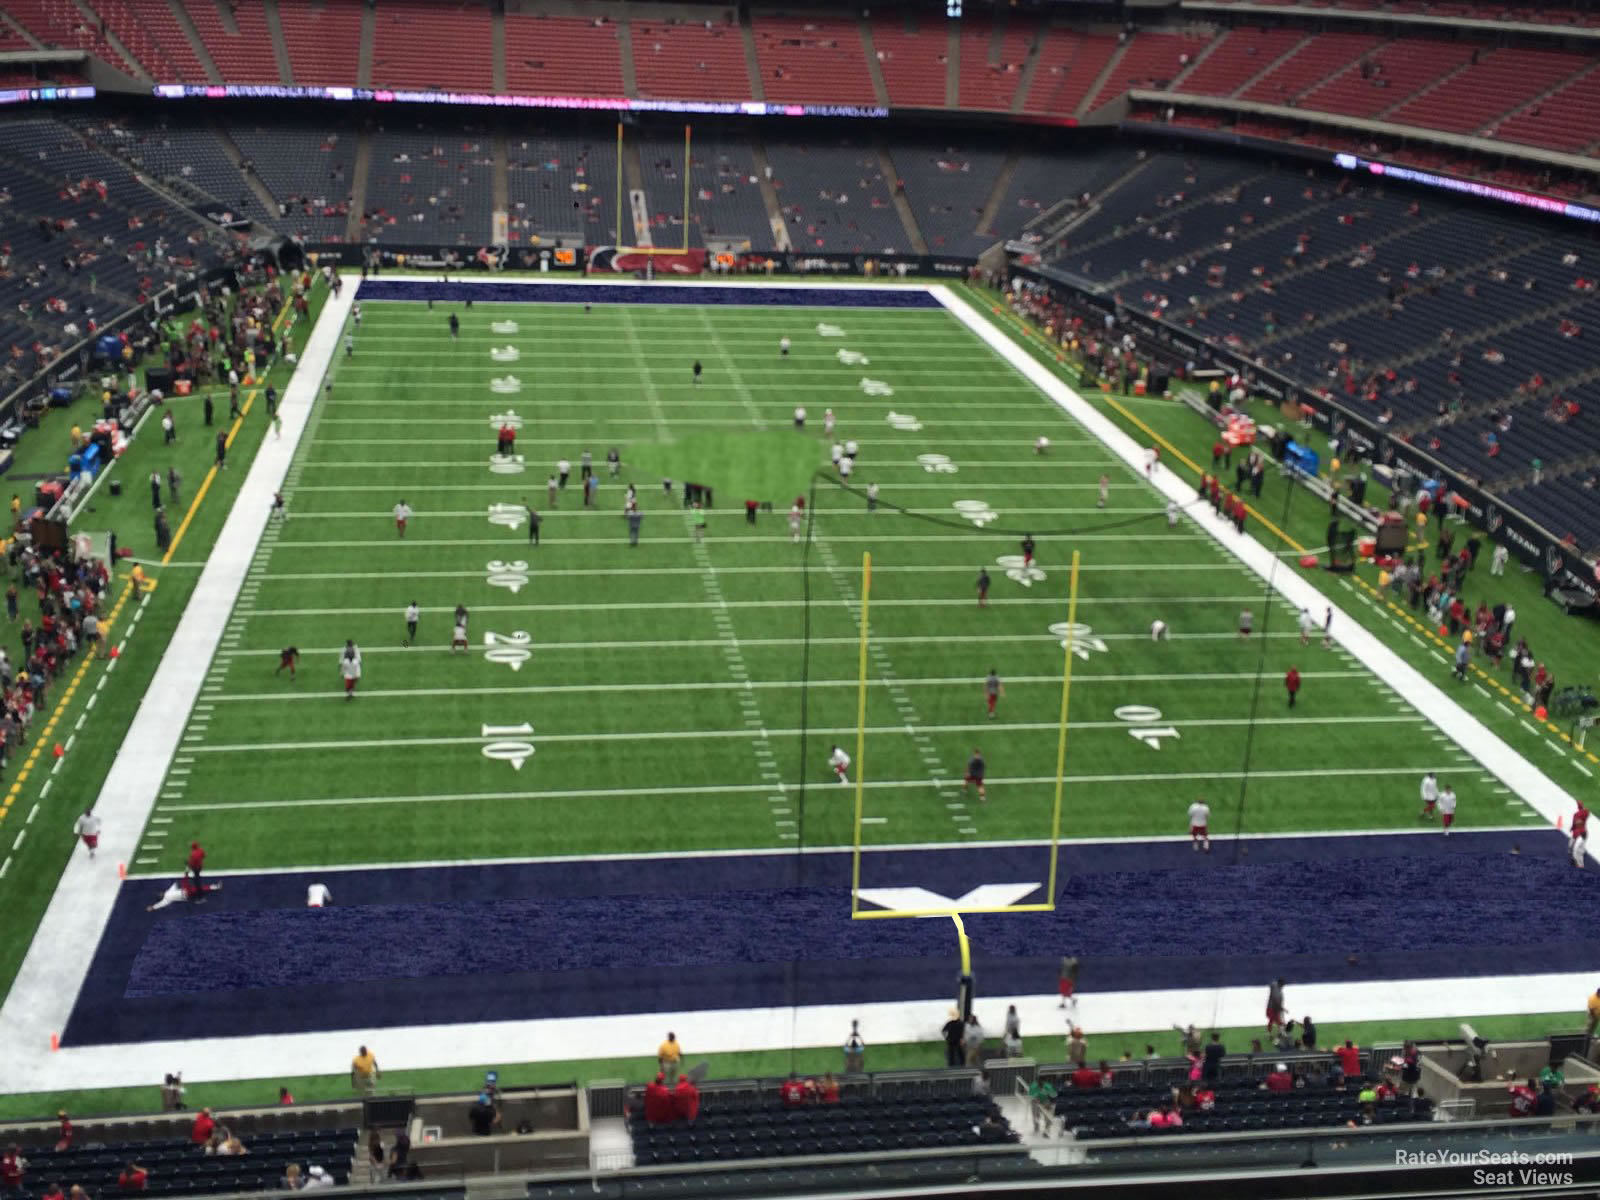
[{"x": 140, "y": 583}]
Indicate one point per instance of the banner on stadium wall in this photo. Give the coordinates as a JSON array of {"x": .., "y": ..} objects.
[
  {"x": 618, "y": 260},
  {"x": 434, "y": 258},
  {"x": 1562, "y": 566}
]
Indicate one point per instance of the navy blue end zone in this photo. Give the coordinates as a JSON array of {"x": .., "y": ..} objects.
[
  {"x": 751, "y": 296},
  {"x": 439, "y": 945}
]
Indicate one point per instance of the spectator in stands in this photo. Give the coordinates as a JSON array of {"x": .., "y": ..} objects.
[
  {"x": 64, "y": 1131},
  {"x": 400, "y": 1164},
  {"x": 658, "y": 1108},
  {"x": 1308, "y": 1033},
  {"x": 828, "y": 1090},
  {"x": 1524, "y": 1099},
  {"x": 1211, "y": 1067},
  {"x": 1092, "y": 1077},
  {"x": 204, "y": 1125},
  {"x": 291, "y": 1181},
  {"x": 1279, "y": 1079},
  {"x": 1077, "y": 1048},
  {"x": 13, "y": 1167},
  {"x": 1349, "y": 1056},
  {"x": 133, "y": 1178},
  {"x": 52, "y": 1191},
  {"x": 483, "y": 1116},
  {"x": 685, "y": 1099},
  {"x": 793, "y": 1092},
  {"x": 1410, "y": 1068}
]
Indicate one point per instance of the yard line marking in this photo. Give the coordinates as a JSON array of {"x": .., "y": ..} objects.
[
  {"x": 879, "y": 821},
  {"x": 655, "y": 606},
  {"x": 21, "y": 836},
  {"x": 5, "y": 866},
  {"x": 33, "y": 812},
  {"x": 1583, "y": 768},
  {"x": 875, "y": 539},
  {"x": 758, "y": 789},
  {"x": 611, "y": 572},
  {"x": 536, "y": 689},
  {"x": 909, "y": 639},
  {"x": 1529, "y": 728},
  {"x": 45, "y": 790},
  {"x": 1504, "y": 709}
]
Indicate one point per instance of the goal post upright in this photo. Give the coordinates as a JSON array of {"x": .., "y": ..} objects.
[
  {"x": 1061, "y": 740},
  {"x": 861, "y": 729}
]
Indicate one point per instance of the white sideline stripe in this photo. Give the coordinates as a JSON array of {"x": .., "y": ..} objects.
[
  {"x": 670, "y": 735},
  {"x": 58, "y": 959},
  {"x": 611, "y": 572},
  {"x": 762, "y": 789},
  {"x": 540, "y": 689},
  {"x": 1053, "y": 602},
  {"x": 566, "y": 442},
  {"x": 503, "y": 543}
]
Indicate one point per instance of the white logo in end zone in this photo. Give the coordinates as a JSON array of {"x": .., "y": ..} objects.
[
  {"x": 504, "y": 353},
  {"x": 876, "y": 387},
  {"x": 507, "y": 464},
  {"x": 503, "y": 327},
  {"x": 852, "y": 358},
  {"x": 826, "y": 330},
  {"x": 904, "y": 422},
  {"x": 505, "y": 385},
  {"x": 936, "y": 464}
]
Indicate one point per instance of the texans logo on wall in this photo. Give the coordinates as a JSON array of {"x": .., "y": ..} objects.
[
  {"x": 1493, "y": 518},
  {"x": 614, "y": 259},
  {"x": 1553, "y": 562}
]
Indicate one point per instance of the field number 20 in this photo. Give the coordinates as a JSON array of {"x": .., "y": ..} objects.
[{"x": 1142, "y": 719}]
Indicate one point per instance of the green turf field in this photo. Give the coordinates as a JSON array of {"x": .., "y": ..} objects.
[{"x": 616, "y": 699}]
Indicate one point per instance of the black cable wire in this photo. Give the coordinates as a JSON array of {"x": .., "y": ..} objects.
[{"x": 1267, "y": 606}]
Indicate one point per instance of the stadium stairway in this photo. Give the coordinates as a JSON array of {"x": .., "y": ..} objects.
[
  {"x": 880, "y": 87},
  {"x": 630, "y": 69},
  {"x": 236, "y": 157},
  {"x": 358, "y": 185},
  {"x": 752, "y": 64},
  {"x": 197, "y": 43},
  {"x": 919, "y": 244},
  {"x": 1099, "y": 80},
  {"x": 280, "y": 48}
]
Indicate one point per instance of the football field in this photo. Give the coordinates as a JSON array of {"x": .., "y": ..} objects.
[
  {"x": 682, "y": 695},
  {"x": 613, "y": 806}
]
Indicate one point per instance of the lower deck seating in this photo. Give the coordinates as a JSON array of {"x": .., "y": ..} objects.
[{"x": 730, "y": 1129}]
